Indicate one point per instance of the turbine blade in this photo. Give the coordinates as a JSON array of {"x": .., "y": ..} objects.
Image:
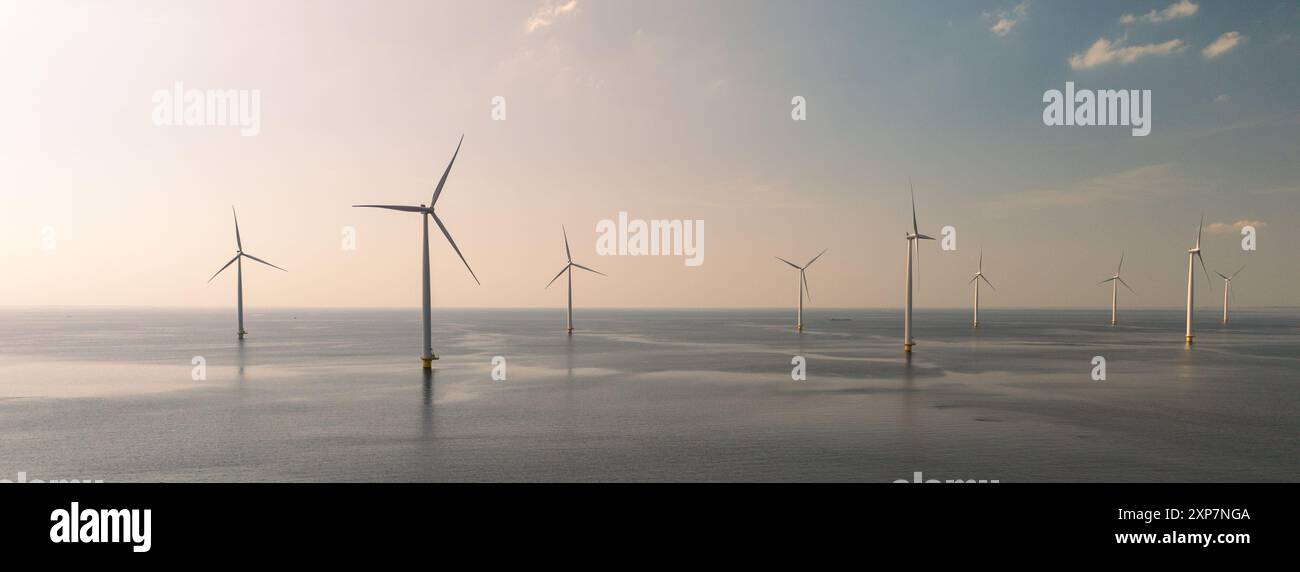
[
  {"x": 557, "y": 276},
  {"x": 588, "y": 269},
  {"x": 974, "y": 278},
  {"x": 567, "y": 254},
  {"x": 239, "y": 244},
  {"x": 1198, "y": 230},
  {"x": 263, "y": 262},
  {"x": 1121, "y": 264},
  {"x": 1221, "y": 275},
  {"x": 807, "y": 291},
  {"x": 443, "y": 180},
  {"x": 403, "y": 208},
  {"x": 986, "y": 281},
  {"x": 913, "y": 192},
  {"x": 924, "y": 237},
  {"x": 1234, "y": 274},
  {"x": 454, "y": 247},
  {"x": 796, "y": 266},
  {"x": 1204, "y": 269},
  {"x": 981, "y": 268},
  {"x": 1130, "y": 289},
  {"x": 819, "y": 255},
  {"x": 223, "y": 268},
  {"x": 1107, "y": 280}
]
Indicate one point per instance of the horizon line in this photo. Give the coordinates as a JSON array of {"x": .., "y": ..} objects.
[{"x": 697, "y": 308}]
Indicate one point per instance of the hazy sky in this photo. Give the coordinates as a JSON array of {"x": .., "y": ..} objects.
[{"x": 676, "y": 110}]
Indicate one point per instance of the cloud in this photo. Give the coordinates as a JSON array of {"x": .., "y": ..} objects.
[
  {"x": 1008, "y": 19},
  {"x": 1226, "y": 227},
  {"x": 1223, "y": 98},
  {"x": 1223, "y": 45},
  {"x": 548, "y": 13},
  {"x": 1180, "y": 9},
  {"x": 1105, "y": 51}
]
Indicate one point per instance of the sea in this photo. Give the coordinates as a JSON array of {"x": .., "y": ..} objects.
[{"x": 170, "y": 395}]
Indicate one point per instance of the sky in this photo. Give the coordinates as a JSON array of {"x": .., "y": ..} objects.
[{"x": 664, "y": 110}]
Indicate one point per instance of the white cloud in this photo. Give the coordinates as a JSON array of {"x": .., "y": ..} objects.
[
  {"x": 1105, "y": 51},
  {"x": 1223, "y": 45},
  {"x": 548, "y": 13},
  {"x": 1180, "y": 9},
  {"x": 1223, "y": 98},
  {"x": 1234, "y": 227},
  {"x": 1006, "y": 20}
]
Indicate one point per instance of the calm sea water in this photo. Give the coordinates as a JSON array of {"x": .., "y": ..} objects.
[{"x": 316, "y": 395}]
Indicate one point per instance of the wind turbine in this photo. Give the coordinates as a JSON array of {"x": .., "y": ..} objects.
[
  {"x": 1227, "y": 286},
  {"x": 428, "y": 356},
  {"x": 569, "y": 268},
  {"x": 239, "y": 271},
  {"x": 1192, "y": 256},
  {"x": 803, "y": 286},
  {"x": 979, "y": 275},
  {"x": 912, "y": 245},
  {"x": 1114, "y": 292}
]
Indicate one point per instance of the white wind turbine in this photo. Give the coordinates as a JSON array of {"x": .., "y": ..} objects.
[
  {"x": 1192, "y": 256},
  {"x": 803, "y": 286},
  {"x": 1227, "y": 287},
  {"x": 568, "y": 267},
  {"x": 427, "y": 356},
  {"x": 1114, "y": 292},
  {"x": 979, "y": 275},
  {"x": 239, "y": 272},
  {"x": 912, "y": 245}
]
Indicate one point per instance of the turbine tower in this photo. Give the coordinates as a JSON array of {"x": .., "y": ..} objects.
[
  {"x": 1114, "y": 291},
  {"x": 1227, "y": 287},
  {"x": 803, "y": 286},
  {"x": 427, "y": 212},
  {"x": 569, "y": 268},
  {"x": 912, "y": 245},
  {"x": 1192, "y": 256},
  {"x": 239, "y": 272},
  {"x": 979, "y": 275}
]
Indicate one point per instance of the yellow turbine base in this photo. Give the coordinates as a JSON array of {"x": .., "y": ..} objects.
[
  {"x": 1189, "y": 339},
  {"x": 908, "y": 347}
]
